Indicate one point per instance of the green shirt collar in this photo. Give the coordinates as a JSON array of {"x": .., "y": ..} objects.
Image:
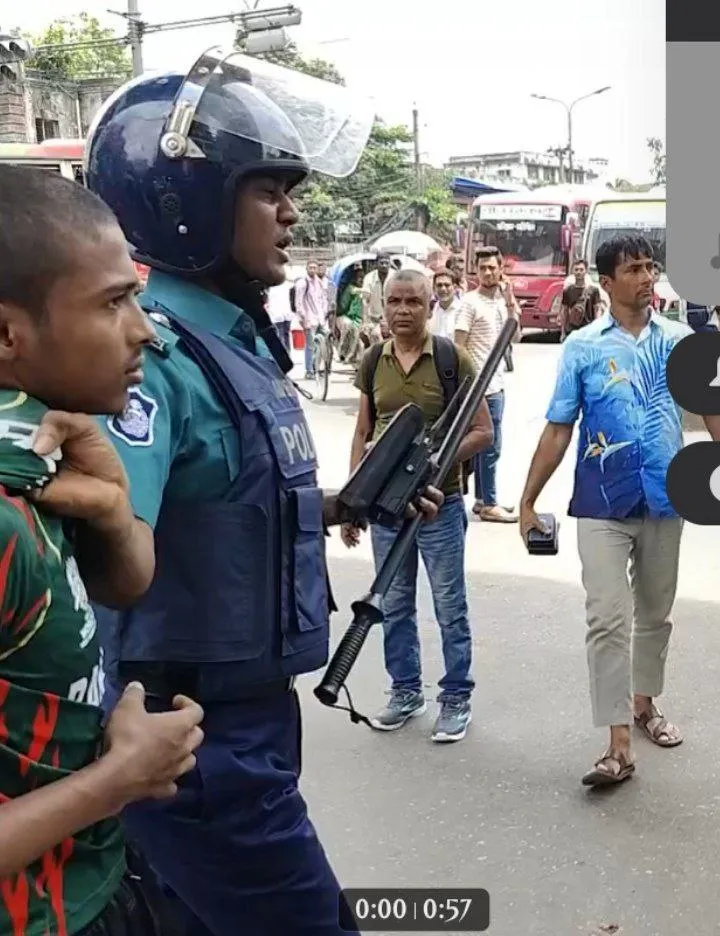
[
  {"x": 198, "y": 306},
  {"x": 20, "y": 468},
  {"x": 192, "y": 302}
]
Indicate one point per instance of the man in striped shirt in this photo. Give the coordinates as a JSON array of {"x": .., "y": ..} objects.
[{"x": 480, "y": 318}]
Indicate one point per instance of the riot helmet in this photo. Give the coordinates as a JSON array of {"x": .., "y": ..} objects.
[{"x": 167, "y": 152}]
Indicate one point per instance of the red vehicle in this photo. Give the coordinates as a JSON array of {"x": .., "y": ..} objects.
[
  {"x": 540, "y": 236},
  {"x": 63, "y": 156}
]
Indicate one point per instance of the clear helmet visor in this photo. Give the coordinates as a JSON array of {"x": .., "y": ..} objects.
[{"x": 286, "y": 112}]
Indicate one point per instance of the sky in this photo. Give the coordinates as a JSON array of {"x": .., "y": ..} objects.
[{"x": 469, "y": 69}]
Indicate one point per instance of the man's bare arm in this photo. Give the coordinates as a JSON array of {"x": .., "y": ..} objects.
[
  {"x": 117, "y": 562},
  {"x": 712, "y": 424},
  {"x": 548, "y": 455},
  {"x": 33, "y": 824},
  {"x": 115, "y": 550},
  {"x": 363, "y": 432},
  {"x": 461, "y": 338},
  {"x": 480, "y": 434}
]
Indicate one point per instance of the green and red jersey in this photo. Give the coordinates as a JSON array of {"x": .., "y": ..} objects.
[{"x": 51, "y": 685}]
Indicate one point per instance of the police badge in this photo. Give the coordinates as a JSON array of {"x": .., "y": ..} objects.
[{"x": 136, "y": 424}]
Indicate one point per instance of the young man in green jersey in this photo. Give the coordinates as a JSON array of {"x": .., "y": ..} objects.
[{"x": 71, "y": 339}]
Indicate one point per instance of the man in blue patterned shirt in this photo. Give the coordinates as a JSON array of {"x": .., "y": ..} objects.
[{"x": 613, "y": 373}]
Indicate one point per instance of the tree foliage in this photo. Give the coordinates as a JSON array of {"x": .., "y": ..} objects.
[
  {"x": 98, "y": 61},
  {"x": 657, "y": 150},
  {"x": 290, "y": 57},
  {"x": 382, "y": 191}
]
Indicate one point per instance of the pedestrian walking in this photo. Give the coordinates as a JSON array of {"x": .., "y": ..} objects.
[
  {"x": 612, "y": 375},
  {"x": 281, "y": 313},
  {"x": 580, "y": 302},
  {"x": 445, "y": 305},
  {"x": 413, "y": 366},
  {"x": 374, "y": 299},
  {"x": 481, "y": 315},
  {"x": 311, "y": 304}
]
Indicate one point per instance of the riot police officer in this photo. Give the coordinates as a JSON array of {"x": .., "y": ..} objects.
[{"x": 198, "y": 169}]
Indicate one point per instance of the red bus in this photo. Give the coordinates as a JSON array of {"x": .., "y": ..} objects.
[
  {"x": 540, "y": 236},
  {"x": 63, "y": 156}
]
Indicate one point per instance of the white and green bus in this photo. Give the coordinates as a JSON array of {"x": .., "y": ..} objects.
[{"x": 632, "y": 213}]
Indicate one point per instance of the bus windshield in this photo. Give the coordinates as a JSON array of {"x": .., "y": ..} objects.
[
  {"x": 528, "y": 236},
  {"x": 627, "y": 218}
]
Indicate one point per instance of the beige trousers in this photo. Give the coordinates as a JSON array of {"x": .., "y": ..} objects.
[{"x": 629, "y": 570}]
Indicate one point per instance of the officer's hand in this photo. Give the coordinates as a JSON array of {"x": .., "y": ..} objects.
[
  {"x": 428, "y": 504},
  {"x": 529, "y": 520},
  {"x": 91, "y": 483},
  {"x": 151, "y": 751},
  {"x": 350, "y": 534}
]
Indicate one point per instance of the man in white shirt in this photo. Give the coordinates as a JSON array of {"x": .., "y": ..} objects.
[
  {"x": 479, "y": 320},
  {"x": 280, "y": 312},
  {"x": 445, "y": 306},
  {"x": 374, "y": 298}
]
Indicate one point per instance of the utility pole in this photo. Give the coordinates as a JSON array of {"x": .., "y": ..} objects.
[
  {"x": 261, "y": 30},
  {"x": 416, "y": 143},
  {"x": 135, "y": 35},
  {"x": 416, "y": 154}
]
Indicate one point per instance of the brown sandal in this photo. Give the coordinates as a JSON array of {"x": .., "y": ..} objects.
[
  {"x": 659, "y": 733},
  {"x": 603, "y": 775}
]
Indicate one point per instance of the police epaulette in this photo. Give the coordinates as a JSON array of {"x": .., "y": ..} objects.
[{"x": 161, "y": 345}]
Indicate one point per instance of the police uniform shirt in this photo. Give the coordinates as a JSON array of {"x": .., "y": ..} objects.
[{"x": 175, "y": 438}]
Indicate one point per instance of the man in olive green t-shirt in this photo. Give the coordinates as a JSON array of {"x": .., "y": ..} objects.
[{"x": 406, "y": 373}]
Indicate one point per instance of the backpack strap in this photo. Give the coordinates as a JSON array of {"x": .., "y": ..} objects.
[
  {"x": 446, "y": 363},
  {"x": 372, "y": 355}
]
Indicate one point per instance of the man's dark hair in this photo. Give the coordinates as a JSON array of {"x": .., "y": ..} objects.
[
  {"x": 485, "y": 253},
  {"x": 580, "y": 262},
  {"x": 382, "y": 255},
  {"x": 448, "y": 274},
  {"x": 42, "y": 214},
  {"x": 613, "y": 252}
]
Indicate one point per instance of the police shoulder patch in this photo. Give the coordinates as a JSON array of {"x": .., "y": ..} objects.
[{"x": 136, "y": 424}]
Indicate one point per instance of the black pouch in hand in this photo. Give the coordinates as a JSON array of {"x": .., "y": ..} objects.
[{"x": 544, "y": 544}]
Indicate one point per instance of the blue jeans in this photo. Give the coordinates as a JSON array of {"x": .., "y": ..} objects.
[
  {"x": 283, "y": 330},
  {"x": 442, "y": 547},
  {"x": 485, "y": 463},
  {"x": 309, "y": 339}
]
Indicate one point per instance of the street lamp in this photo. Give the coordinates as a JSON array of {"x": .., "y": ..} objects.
[{"x": 569, "y": 109}]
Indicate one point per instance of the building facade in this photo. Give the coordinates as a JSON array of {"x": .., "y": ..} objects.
[
  {"x": 34, "y": 109},
  {"x": 520, "y": 168}
]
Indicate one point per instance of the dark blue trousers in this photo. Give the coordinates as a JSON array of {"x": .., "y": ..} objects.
[{"x": 236, "y": 846}]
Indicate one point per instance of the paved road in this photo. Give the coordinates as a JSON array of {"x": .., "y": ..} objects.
[{"x": 504, "y": 809}]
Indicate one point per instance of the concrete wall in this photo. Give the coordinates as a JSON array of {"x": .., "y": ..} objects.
[
  {"x": 92, "y": 93},
  {"x": 72, "y": 105},
  {"x": 13, "y": 128},
  {"x": 51, "y": 100}
]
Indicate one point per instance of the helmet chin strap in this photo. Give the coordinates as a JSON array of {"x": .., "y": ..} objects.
[{"x": 249, "y": 295}]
